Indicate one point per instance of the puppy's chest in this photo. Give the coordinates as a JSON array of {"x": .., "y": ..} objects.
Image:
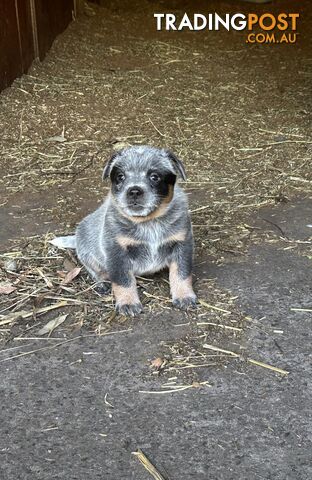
[{"x": 149, "y": 255}]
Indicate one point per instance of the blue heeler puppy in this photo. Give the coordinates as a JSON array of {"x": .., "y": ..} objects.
[{"x": 142, "y": 227}]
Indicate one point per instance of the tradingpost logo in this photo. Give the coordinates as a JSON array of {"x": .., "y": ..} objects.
[{"x": 264, "y": 28}]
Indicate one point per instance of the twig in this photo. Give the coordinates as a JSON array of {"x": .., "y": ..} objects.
[
  {"x": 221, "y": 325},
  {"x": 199, "y": 209},
  {"x": 24, "y": 314},
  {"x": 200, "y": 365},
  {"x": 107, "y": 402},
  {"x": 177, "y": 388},
  {"x": 158, "y": 131},
  {"x": 265, "y": 365},
  {"x": 229, "y": 327},
  {"x": 148, "y": 465},
  {"x": 287, "y": 141},
  {"x": 301, "y": 309},
  {"x": 281, "y": 133},
  {"x": 250, "y": 360},
  {"x": 50, "y": 347},
  {"x": 276, "y": 226},
  {"x": 217, "y": 349},
  {"x": 207, "y": 305}
]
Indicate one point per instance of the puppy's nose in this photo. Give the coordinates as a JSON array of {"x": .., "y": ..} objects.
[{"x": 135, "y": 192}]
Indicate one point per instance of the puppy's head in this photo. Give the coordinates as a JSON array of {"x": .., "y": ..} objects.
[{"x": 143, "y": 179}]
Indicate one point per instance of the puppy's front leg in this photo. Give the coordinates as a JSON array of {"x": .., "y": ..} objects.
[
  {"x": 124, "y": 285},
  {"x": 127, "y": 299},
  {"x": 180, "y": 276}
]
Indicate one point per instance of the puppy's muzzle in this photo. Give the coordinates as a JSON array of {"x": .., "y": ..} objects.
[{"x": 135, "y": 194}]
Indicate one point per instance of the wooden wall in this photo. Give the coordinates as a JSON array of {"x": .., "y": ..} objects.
[
  {"x": 53, "y": 16},
  {"x": 27, "y": 31}
]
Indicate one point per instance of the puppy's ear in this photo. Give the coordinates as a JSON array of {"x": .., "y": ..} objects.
[
  {"x": 108, "y": 166},
  {"x": 177, "y": 164}
]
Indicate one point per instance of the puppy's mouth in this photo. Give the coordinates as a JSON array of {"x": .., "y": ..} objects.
[{"x": 136, "y": 209}]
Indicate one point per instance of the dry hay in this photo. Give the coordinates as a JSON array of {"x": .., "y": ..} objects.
[
  {"x": 38, "y": 279},
  {"x": 45, "y": 294},
  {"x": 98, "y": 90}
]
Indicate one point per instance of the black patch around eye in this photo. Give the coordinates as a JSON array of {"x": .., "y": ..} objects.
[
  {"x": 115, "y": 176},
  {"x": 167, "y": 179},
  {"x": 114, "y": 173},
  {"x": 170, "y": 178}
]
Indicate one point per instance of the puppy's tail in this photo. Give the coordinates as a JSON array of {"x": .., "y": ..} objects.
[{"x": 64, "y": 242}]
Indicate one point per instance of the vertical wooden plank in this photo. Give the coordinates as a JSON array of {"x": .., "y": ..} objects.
[
  {"x": 34, "y": 26},
  {"x": 53, "y": 16},
  {"x": 10, "y": 56},
  {"x": 18, "y": 32},
  {"x": 79, "y": 7},
  {"x": 27, "y": 30},
  {"x": 23, "y": 8}
]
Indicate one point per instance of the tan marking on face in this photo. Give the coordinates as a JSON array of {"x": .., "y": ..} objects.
[
  {"x": 159, "y": 212},
  {"x": 126, "y": 242},
  {"x": 126, "y": 295},
  {"x": 180, "y": 288},
  {"x": 176, "y": 237},
  {"x": 169, "y": 196}
]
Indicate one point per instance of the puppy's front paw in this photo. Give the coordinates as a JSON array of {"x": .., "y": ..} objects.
[
  {"x": 129, "y": 310},
  {"x": 185, "y": 303}
]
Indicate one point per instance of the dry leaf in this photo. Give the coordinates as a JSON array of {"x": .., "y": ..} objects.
[
  {"x": 10, "y": 265},
  {"x": 61, "y": 273},
  {"x": 119, "y": 145},
  {"x": 43, "y": 276},
  {"x": 12, "y": 317},
  {"x": 157, "y": 363},
  {"x": 52, "y": 325},
  {"x": 6, "y": 289},
  {"x": 57, "y": 138},
  {"x": 71, "y": 275},
  {"x": 196, "y": 384},
  {"x": 69, "y": 265}
]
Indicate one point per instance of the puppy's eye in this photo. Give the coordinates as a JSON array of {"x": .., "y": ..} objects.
[
  {"x": 154, "y": 177},
  {"x": 120, "y": 177}
]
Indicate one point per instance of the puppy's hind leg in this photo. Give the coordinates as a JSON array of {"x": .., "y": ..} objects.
[{"x": 97, "y": 272}]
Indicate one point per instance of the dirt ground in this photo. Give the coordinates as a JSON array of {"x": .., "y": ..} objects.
[{"x": 232, "y": 398}]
